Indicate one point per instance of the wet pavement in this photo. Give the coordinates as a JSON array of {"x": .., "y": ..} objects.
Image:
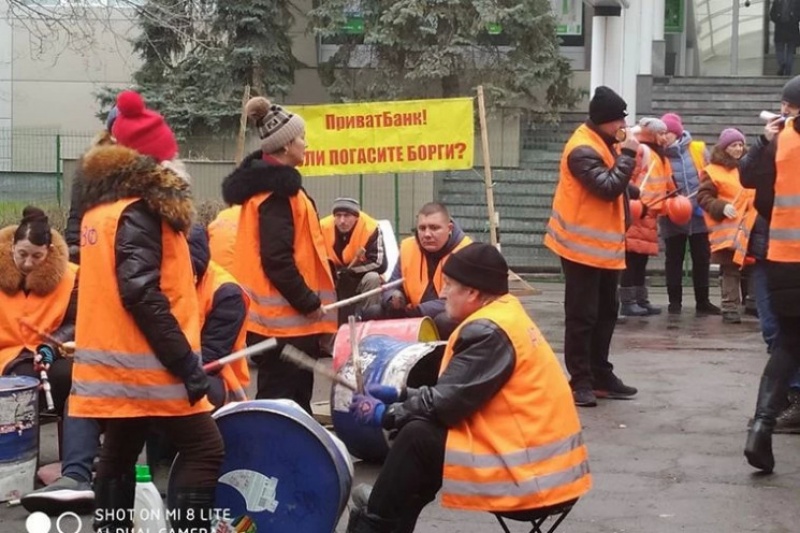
[{"x": 669, "y": 460}]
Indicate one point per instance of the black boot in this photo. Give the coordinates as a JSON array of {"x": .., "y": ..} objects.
[
  {"x": 113, "y": 499},
  {"x": 362, "y": 521},
  {"x": 704, "y": 307},
  {"x": 201, "y": 503},
  {"x": 675, "y": 293},
  {"x": 771, "y": 398}
]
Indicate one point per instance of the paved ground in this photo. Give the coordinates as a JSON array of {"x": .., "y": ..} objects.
[{"x": 670, "y": 460}]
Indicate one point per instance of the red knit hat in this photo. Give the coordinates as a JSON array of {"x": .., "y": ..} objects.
[{"x": 143, "y": 129}]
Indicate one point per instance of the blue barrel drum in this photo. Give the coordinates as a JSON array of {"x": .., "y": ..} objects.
[{"x": 19, "y": 435}]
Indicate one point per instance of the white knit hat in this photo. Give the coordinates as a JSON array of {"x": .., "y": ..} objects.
[{"x": 277, "y": 127}]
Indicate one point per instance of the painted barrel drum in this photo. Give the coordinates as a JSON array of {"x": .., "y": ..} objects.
[
  {"x": 384, "y": 360},
  {"x": 282, "y": 470},
  {"x": 421, "y": 329},
  {"x": 19, "y": 435}
]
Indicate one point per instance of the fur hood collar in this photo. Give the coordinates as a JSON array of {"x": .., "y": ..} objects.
[
  {"x": 722, "y": 158},
  {"x": 111, "y": 173},
  {"x": 41, "y": 281},
  {"x": 255, "y": 176}
]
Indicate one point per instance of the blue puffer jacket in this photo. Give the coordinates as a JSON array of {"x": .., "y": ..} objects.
[{"x": 687, "y": 179}]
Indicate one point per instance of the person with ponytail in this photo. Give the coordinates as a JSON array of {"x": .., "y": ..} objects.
[
  {"x": 38, "y": 290},
  {"x": 280, "y": 252}
]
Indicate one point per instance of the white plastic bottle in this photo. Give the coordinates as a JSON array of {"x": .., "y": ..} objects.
[{"x": 149, "y": 511}]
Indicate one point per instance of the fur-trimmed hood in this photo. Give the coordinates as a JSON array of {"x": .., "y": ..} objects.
[
  {"x": 111, "y": 173},
  {"x": 720, "y": 157},
  {"x": 254, "y": 176},
  {"x": 44, "y": 279}
]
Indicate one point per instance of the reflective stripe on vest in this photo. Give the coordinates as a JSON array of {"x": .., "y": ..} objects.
[
  {"x": 741, "y": 241},
  {"x": 522, "y": 449},
  {"x": 583, "y": 227},
  {"x": 270, "y": 314},
  {"x": 359, "y": 237},
  {"x": 414, "y": 269},
  {"x": 784, "y": 227},
  {"x": 115, "y": 363}
]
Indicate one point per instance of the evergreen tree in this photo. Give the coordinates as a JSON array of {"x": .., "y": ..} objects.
[
  {"x": 445, "y": 48},
  {"x": 196, "y": 62}
]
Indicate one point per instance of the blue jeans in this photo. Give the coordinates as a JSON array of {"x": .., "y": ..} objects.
[
  {"x": 769, "y": 323},
  {"x": 81, "y": 442},
  {"x": 784, "y": 53}
]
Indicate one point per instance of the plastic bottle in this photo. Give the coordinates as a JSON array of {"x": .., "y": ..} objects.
[{"x": 149, "y": 512}]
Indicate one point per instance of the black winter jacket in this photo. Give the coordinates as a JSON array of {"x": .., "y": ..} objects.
[
  {"x": 786, "y": 31},
  {"x": 483, "y": 361},
  {"x": 123, "y": 173},
  {"x": 275, "y": 224}
]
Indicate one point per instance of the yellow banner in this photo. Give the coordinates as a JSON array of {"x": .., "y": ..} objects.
[{"x": 380, "y": 137}]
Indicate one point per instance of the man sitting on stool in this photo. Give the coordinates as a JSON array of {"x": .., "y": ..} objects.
[
  {"x": 420, "y": 265},
  {"x": 354, "y": 244},
  {"x": 499, "y": 430}
]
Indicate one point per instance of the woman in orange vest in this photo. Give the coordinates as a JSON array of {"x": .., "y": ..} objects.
[
  {"x": 501, "y": 396},
  {"x": 38, "y": 287},
  {"x": 280, "y": 252},
  {"x": 641, "y": 239},
  {"x": 727, "y": 206},
  {"x": 137, "y": 361}
]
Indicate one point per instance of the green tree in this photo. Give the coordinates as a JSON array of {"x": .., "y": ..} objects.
[
  {"x": 196, "y": 62},
  {"x": 445, "y": 48}
]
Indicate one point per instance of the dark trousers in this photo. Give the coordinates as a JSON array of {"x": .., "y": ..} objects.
[
  {"x": 675, "y": 251},
  {"x": 635, "y": 269},
  {"x": 279, "y": 379},
  {"x": 784, "y": 53},
  {"x": 195, "y": 437},
  {"x": 590, "y": 306},
  {"x": 411, "y": 475}
]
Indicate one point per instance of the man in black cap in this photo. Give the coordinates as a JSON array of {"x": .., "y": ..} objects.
[
  {"x": 354, "y": 243},
  {"x": 776, "y": 282},
  {"x": 501, "y": 394},
  {"x": 587, "y": 230}
]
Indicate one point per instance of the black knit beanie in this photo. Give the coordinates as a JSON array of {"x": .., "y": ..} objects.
[
  {"x": 606, "y": 106},
  {"x": 479, "y": 266},
  {"x": 791, "y": 91}
]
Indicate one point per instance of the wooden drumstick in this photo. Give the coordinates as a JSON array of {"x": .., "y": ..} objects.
[
  {"x": 360, "y": 254},
  {"x": 303, "y": 360},
  {"x": 362, "y": 296}
]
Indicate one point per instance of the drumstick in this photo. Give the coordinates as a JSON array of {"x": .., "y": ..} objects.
[
  {"x": 301, "y": 359},
  {"x": 362, "y": 296},
  {"x": 45, "y": 379},
  {"x": 262, "y": 346},
  {"x": 355, "y": 354},
  {"x": 359, "y": 256},
  {"x": 658, "y": 201},
  {"x": 647, "y": 176}
]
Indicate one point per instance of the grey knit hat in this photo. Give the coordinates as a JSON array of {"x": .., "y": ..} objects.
[
  {"x": 277, "y": 127},
  {"x": 652, "y": 124},
  {"x": 350, "y": 205}
]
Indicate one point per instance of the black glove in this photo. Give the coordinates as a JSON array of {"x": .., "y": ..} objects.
[
  {"x": 194, "y": 377},
  {"x": 633, "y": 192},
  {"x": 644, "y": 210}
]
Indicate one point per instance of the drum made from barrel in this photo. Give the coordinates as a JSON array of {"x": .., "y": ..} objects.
[
  {"x": 19, "y": 435},
  {"x": 282, "y": 470},
  {"x": 420, "y": 329},
  {"x": 386, "y": 361}
]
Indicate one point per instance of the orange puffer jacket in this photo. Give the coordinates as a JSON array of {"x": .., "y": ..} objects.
[{"x": 642, "y": 236}]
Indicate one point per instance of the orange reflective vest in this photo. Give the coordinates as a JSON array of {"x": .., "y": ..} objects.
[
  {"x": 116, "y": 374},
  {"x": 270, "y": 313},
  {"x": 725, "y": 233},
  {"x": 784, "y": 227},
  {"x": 236, "y": 375},
  {"x": 362, "y": 231},
  {"x": 584, "y": 228},
  {"x": 524, "y": 448},
  {"x": 222, "y": 236},
  {"x": 414, "y": 269},
  {"x": 43, "y": 311}
]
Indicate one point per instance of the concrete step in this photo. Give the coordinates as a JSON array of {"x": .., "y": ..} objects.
[
  {"x": 715, "y": 96},
  {"x": 743, "y": 107},
  {"x": 773, "y": 81}
]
